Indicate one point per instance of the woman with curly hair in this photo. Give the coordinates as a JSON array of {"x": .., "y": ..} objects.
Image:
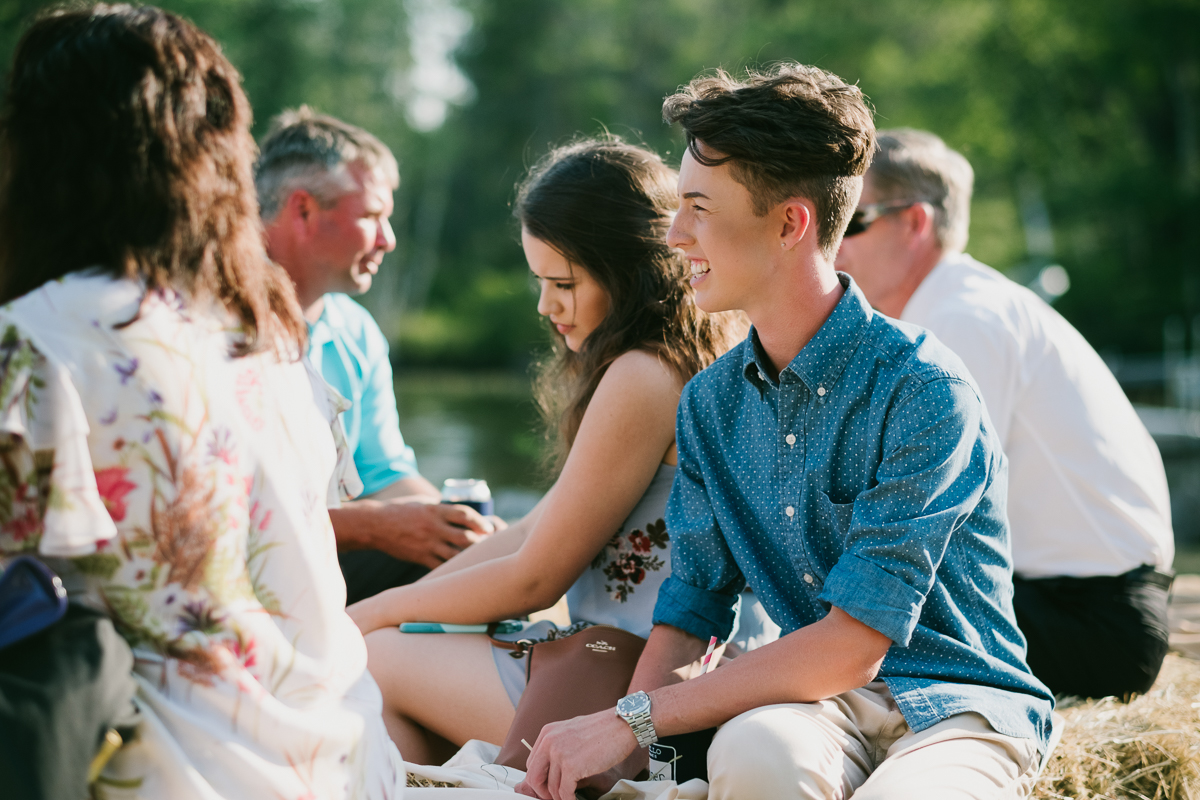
[{"x": 165, "y": 448}]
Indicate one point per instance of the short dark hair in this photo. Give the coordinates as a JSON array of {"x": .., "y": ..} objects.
[
  {"x": 128, "y": 128},
  {"x": 307, "y": 150},
  {"x": 791, "y": 131}
]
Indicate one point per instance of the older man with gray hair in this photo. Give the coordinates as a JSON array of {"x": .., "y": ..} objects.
[
  {"x": 325, "y": 194},
  {"x": 1091, "y": 526}
]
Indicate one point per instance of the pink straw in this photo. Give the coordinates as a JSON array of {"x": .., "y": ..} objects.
[{"x": 705, "y": 666}]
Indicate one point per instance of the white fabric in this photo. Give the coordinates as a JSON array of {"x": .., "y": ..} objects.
[
  {"x": 77, "y": 522},
  {"x": 204, "y": 479},
  {"x": 1087, "y": 494},
  {"x": 620, "y": 586},
  {"x": 475, "y": 777}
]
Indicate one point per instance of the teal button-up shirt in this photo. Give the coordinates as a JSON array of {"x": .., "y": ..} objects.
[
  {"x": 868, "y": 477},
  {"x": 348, "y": 349}
]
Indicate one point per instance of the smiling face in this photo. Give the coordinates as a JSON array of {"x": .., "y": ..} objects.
[
  {"x": 352, "y": 236},
  {"x": 567, "y": 295},
  {"x": 729, "y": 248}
]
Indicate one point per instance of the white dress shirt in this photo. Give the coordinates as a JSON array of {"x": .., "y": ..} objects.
[{"x": 1087, "y": 491}]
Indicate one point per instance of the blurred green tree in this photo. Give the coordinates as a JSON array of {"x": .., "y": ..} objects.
[
  {"x": 1085, "y": 115},
  {"x": 1088, "y": 111}
]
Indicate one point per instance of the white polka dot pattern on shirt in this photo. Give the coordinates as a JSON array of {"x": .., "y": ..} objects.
[{"x": 866, "y": 477}]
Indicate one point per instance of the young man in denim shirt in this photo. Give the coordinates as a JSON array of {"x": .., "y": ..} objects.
[{"x": 841, "y": 464}]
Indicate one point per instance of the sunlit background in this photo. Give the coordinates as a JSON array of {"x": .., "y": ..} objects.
[{"x": 1081, "y": 119}]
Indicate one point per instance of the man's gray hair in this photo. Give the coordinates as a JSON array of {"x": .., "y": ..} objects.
[
  {"x": 311, "y": 151},
  {"x": 918, "y": 166}
]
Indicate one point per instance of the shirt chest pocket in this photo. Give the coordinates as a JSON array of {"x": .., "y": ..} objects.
[
  {"x": 832, "y": 518},
  {"x": 823, "y": 538}
]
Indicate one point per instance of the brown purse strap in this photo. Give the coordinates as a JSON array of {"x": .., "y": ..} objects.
[
  {"x": 519, "y": 648},
  {"x": 522, "y": 646}
]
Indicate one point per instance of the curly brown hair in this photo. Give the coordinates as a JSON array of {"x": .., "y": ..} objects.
[
  {"x": 791, "y": 131},
  {"x": 606, "y": 205},
  {"x": 125, "y": 147}
]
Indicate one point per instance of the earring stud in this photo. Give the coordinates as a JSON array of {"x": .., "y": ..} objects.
[{"x": 783, "y": 245}]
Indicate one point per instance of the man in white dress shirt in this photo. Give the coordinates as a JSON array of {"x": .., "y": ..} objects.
[{"x": 1091, "y": 524}]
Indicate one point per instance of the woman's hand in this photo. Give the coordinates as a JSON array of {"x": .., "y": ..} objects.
[{"x": 365, "y": 616}]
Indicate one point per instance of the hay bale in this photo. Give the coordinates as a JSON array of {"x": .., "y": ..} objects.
[
  {"x": 417, "y": 782},
  {"x": 1148, "y": 749}
]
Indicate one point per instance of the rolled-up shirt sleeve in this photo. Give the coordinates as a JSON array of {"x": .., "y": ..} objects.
[
  {"x": 935, "y": 468},
  {"x": 701, "y": 595}
]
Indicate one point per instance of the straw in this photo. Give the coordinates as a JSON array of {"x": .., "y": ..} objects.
[{"x": 707, "y": 664}]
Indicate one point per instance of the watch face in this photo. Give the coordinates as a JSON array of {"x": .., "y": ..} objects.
[{"x": 633, "y": 704}]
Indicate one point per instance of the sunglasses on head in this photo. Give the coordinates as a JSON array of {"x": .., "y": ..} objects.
[{"x": 865, "y": 215}]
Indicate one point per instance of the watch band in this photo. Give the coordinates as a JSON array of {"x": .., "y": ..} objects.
[
  {"x": 643, "y": 729},
  {"x": 639, "y": 721}
]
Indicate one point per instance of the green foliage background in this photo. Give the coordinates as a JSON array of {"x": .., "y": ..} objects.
[{"x": 1093, "y": 107}]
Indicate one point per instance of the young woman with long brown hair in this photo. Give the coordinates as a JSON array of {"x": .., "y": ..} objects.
[{"x": 626, "y": 338}]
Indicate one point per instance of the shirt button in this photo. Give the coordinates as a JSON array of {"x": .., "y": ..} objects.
[
  {"x": 761, "y": 377},
  {"x": 820, "y": 391},
  {"x": 791, "y": 512},
  {"x": 790, "y": 438},
  {"x": 808, "y": 578}
]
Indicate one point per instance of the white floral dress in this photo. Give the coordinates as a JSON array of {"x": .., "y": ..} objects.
[{"x": 184, "y": 491}]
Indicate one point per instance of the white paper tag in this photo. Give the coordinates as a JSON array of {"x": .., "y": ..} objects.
[{"x": 662, "y": 762}]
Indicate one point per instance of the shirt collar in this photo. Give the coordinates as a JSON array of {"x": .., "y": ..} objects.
[
  {"x": 930, "y": 291},
  {"x": 821, "y": 362},
  {"x": 321, "y": 331},
  {"x": 752, "y": 360}
]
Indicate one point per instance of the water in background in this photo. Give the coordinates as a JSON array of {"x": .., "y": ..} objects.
[
  {"x": 474, "y": 425},
  {"x": 484, "y": 425}
]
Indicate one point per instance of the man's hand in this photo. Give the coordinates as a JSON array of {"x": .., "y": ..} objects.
[
  {"x": 420, "y": 531},
  {"x": 593, "y": 751},
  {"x": 429, "y": 533}
]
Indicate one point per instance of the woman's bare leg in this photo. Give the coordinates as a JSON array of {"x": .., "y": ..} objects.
[{"x": 440, "y": 683}]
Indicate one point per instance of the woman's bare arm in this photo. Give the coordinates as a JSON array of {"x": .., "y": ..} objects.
[{"x": 628, "y": 429}]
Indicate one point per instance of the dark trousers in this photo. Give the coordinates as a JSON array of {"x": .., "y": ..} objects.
[
  {"x": 369, "y": 572},
  {"x": 1095, "y": 637}
]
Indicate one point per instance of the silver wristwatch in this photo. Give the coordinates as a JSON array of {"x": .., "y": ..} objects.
[{"x": 635, "y": 709}]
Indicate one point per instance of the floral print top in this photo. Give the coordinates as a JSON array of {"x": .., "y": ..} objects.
[
  {"x": 184, "y": 492},
  {"x": 621, "y": 585}
]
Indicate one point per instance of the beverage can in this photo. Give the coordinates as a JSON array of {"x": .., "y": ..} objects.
[{"x": 473, "y": 492}]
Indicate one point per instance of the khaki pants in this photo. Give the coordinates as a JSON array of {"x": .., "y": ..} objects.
[{"x": 859, "y": 744}]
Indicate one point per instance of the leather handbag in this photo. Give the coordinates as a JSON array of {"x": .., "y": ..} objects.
[{"x": 566, "y": 677}]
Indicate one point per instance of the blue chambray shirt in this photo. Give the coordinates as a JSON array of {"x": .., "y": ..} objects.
[{"x": 868, "y": 478}]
